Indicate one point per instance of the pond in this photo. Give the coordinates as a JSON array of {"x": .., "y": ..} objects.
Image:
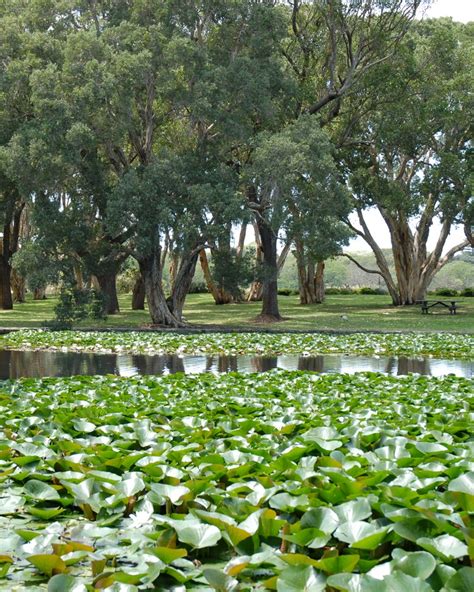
[{"x": 37, "y": 364}]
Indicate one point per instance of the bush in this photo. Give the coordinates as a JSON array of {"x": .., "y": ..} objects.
[
  {"x": 372, "y": 291},
  {"x": 76, "y": 305},
  {"x": 469, "y": 292},
  {"x": 333, "y": 290},
  {"x": 445, "y": 292},
  {"x": 285, "y": 292},
  {"x": 198, "y": 288}
]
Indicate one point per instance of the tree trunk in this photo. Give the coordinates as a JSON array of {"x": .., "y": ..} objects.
[
  {"x": 319, "y": 288},
  {"x": 256, "y": 289},
  {"x": 310, "y": 277},
  {"x": 220, "y": 295},
  {"x": 39, "y": 293},
  {"x": 78, "y": 275},
  {"x": 108, "y": 286},
  {"x": 270, "y": 311},
  {"x": 18, "y": 285},
  {"x": 182, "y": 284},
  {"x": 6, "y": 301},
  {"x": 152, "y": 273},
  {"x": 138, "y": 294}
]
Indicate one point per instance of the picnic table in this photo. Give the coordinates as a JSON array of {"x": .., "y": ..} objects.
[{"x": 452, "y": 305}]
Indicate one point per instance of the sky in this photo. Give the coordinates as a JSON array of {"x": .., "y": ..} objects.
[{"x": 459, "y": 10}]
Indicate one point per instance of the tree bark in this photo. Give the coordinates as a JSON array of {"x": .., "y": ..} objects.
[
  {"x": 270, "y": 311},
  {"x": 6, "y": 301},
  {"x": 319, "y": 287},
  {"x": 183, "y": 280},
  {"x": 39, "y": 293},
  {"x": 152, "y": 273},
  {"x": 18, "y": 285},
  {"x": 220, "y": 295},
  {"x": 256, "y": 288},
  {"x": 108, "y": 286},
  {"x": 310, "y": 277},
  {"x": 138, "y": 294}
]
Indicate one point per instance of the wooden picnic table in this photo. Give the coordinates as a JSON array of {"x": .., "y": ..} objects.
[{"x": 452, "y": 305}]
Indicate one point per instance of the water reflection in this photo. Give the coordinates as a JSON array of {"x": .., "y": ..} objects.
[{"x": 17, "y": 364}]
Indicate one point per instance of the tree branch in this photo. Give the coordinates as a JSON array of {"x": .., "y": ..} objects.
[{"x": 359, "y": 265}]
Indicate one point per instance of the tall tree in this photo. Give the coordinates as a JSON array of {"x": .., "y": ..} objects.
[
  {"x": 296, "y": 190},
  {"x": 414, "y": 159},
  {"x": 329, "y": 49}
]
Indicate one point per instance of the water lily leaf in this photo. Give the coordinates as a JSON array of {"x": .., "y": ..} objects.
[
  {"x": 445, "y": 546},
  {"x": 81, "y": 425},
  {"x": 400, "y": 581},
  {"x": 417, "y": 564},
  {"x": 300, "y": 579},
  {"x": 65, "y": 583},
  {"x": 464, "y": 483},
  {"x": 285, "y": 501},
  {"x": 197, "y": 535},
  {"x": 323, "y": 519},
  {"x": 338, "y": 564},
  {"x": 174, "y": 493},
  {"x": 347, "y": 582},
  {"x": 461, "y": 581},
  {"x": 354, "y": 510},
  {"x": 309, "y": 537},
  {"x": 45, "y": 513},
  {"x": 168, "y": 555},
  {"x": 361, "y": 535},
  {"x": 220, "y": 581},
  {"x": 10, "y": 504},
  {"x": 48, "y": 564}
]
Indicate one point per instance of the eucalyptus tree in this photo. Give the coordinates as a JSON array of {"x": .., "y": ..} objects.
[
  {"x": 413, "y": 161},
  {"x": 329, "y": 48},
  {"x": 296, "y": 190}
]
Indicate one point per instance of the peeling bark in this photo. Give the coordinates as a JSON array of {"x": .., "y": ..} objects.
[{"x": 220, "y": 295}]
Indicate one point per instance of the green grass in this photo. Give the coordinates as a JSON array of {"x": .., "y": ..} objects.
[{"x": 363, "y": 312}]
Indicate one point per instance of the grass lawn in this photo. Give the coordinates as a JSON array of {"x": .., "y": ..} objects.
[{"x": 363, "y": 312}]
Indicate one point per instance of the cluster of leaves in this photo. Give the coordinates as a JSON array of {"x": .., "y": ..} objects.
[
  {"x": 407, "y": 344},
  {"x": 74, "y": 306},
  {"x": 287, "y": 481}
]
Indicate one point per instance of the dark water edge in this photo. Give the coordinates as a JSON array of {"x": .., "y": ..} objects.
[{"x": 38, "y": 364}]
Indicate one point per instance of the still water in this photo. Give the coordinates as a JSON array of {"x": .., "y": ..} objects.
[{"x": 17, "y": 364}]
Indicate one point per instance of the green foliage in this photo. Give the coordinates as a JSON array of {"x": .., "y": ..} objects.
[
  {"x": 409, "y": 344},
  {"x": 76, "y": 305},
  {"x": 445, "y": 292},
  {"x": 368, "y": 290},
  {"x": 233, "y": 272},
  {"x": 181, "y": 480}
]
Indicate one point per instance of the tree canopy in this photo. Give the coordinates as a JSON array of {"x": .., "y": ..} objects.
[{"x": 151, "y": 129}]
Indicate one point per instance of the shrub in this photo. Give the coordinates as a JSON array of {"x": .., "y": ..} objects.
[
  {"x": 467, "y": 292},
  {"x": 445, "y": 292},
  {"x": 198, "y": 287},
  {"x": 76, "y": 305},
  {"x": 372, "y": 291}
]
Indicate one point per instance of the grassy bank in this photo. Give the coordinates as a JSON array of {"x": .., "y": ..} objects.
[{"x": 339, "y": 312}]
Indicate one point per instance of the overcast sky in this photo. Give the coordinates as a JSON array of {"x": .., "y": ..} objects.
[{"x": 459, "y": 10}]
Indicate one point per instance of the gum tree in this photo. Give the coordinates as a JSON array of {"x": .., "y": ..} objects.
[{"x": 413, "y": 160}]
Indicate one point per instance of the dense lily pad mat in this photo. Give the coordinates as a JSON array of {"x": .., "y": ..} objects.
[
  {"x": 286, "y": 481},
  {"x": 439, "y": 345}
]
